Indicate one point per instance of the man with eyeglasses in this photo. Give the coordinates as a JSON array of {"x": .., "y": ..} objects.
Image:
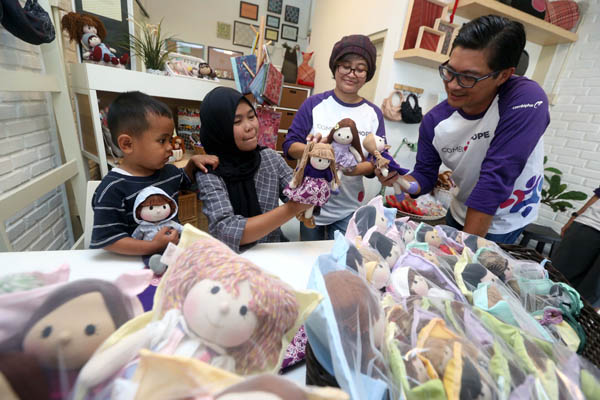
[{"x": 488, "y": 132}]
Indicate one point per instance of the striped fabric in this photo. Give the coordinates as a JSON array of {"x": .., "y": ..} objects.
[{"x": 563, "y": 13}]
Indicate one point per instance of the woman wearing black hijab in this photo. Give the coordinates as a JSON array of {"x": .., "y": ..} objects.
[{"x": 240, "y": 197}]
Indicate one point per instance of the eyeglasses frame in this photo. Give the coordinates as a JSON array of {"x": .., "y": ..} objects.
[{"x": 458, "y": 74}]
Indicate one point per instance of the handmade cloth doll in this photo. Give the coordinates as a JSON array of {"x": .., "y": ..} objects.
[
  {"x": 154, "y": 210},
  {"x": 216, "y": 307},
  {"x": 206, "y": 72},
  {"x": 386, "y": 247},
  {"x": 428, "y": 234},
  {"x": 406, "y": 282},
  {"x": 314, "y": 179},
  {"x": 384, "y": 162},
  {"x": 90, "y": 32},
  {"x": 178, "y": 145},
  {"x": 345, "y": 141},
  {"x": 367, "y": 217},
  {"x": 68, "y": 327},
  {"x": 376, "y": 270}
]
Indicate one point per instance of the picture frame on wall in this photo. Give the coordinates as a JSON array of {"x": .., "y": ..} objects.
[
  {"x": 430, "y": 39},
  {"x": 248, "y": 10},
  {"x": 271, "y": 34},
  {"x": 292, "y": 14},
  {"x": 450, "y": 30},
  {"x": 223, "y": 30},
  {"x": 220, "y": 61},
  {"x": 243, "y": 35},
  {"x": 273, "y": 21},
  {"x": 275, "y": 6},
  {"x": 289, "y": 32}
]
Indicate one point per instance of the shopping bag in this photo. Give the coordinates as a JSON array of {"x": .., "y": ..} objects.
[
  {"x": 269, "y": 126},
  {"x": 244, "y": 70}
]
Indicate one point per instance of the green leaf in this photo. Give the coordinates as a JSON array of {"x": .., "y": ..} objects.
[
  {"x": 573, "y": 195},
  {"x": 545, "y": 159},
  {"x": 553, "y": 170},
  {"x": 563, "y": 187},
  {"x": 554, "y": 185},
  {"x": 561, "y": 205},
  {"x": 544, "y": 193}
]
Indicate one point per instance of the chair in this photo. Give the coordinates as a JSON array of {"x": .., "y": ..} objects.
[{"x": 541, "y": 234}]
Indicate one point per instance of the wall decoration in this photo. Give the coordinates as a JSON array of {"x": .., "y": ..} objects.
[
  {"x": 450, "y": 30},
  {"x": 248, "y": 10},
  {"x": 289, "y": 32},
  {"x": 429, "y": 39},
  {"x": 292, "y": 14},
  {"x": 223, "y": 30},
  {"x": 243, "y": 35},
  {"x": 190, "y": 49},
  {"x": 272, "y": 21},
  {"x": 275, "y": 6},
  {"x": 421, "y": 13},
  {"x": 271, "y": 34},
  {"x": 219, "y": 61}
]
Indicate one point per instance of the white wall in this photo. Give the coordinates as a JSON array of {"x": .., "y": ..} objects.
[
  {"x": 28, "y": 148},
  {"x": 572, "y": 141}
]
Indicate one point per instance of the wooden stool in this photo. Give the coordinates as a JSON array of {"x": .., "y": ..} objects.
[{"x": 542, "y": 234}]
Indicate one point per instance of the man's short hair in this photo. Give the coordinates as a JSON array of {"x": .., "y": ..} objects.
[
  {"x": 502, "y": 38},
  {"x": 128, "y": 113}
]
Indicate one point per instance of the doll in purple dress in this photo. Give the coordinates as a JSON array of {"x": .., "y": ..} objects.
[
  {"x": 345, "y": 141},
  {"x": 314, "y": 179},
  {"x": 384, "y": 162}
]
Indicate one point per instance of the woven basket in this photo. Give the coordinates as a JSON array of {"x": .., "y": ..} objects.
[{"x": 589, "y": 320}]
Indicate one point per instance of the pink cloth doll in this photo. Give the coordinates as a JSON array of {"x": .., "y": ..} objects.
[
  {"x": 216, "y": 307},
  {"x": 314, "y": 179},
  {"x": 345, "y": 141},
  {"x": 384, "y": 162},
  {"x": 154, "y": 210}
]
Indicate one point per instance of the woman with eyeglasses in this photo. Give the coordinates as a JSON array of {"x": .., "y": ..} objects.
[
  {"x": 352, "y": 63},
  {"x": 488, "y": 132}
]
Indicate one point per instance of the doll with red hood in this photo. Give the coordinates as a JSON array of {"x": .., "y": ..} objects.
[{"x": 154, "y": 210}]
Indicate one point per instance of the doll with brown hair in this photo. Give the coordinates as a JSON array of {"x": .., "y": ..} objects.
[
  {"x": 406, "y": 282},
  {"x": 384, "y": 162},
  {"x": 314, "y": 179},
  {"x": 206, "y": 72},
  {"x": 345, "y": 141},
  {"x": 90, "y": 32},
  {"x": 178, "y": 145},
  {"x": 359, "y": 317}
]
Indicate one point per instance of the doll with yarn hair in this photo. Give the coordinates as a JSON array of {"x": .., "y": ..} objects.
[
  {"x": 376, "y": 269},
  {"x": 314, "y": 179},
  {"x": 428, "y": 234},
  {"x": 216, "y": 307},
  {"x": 384, "y": 162},
  {"x": 345, "y": 141},
  {"x": 90, "y": 32},
  {"x": 405, "y": 282}
]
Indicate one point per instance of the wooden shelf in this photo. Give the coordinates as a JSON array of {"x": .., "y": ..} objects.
[
  {"x": 423, "y": 57},
  {"x": 538, "y": 31}
]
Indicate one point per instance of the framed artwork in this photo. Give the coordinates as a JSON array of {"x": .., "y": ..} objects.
[
  {"x": 289, "y": 32},
  {"x": 450, "y": 30},
  {"x": 273, "y": 21},
  {"x": 292, "y": 14},
  {"x": 271, "y": 34},
  {"x": 430, "y": 39},
  {"x": 275, "y": 6},
  {"x": 219, "y": 61},
  {"x": 248, "y": 10},
  {"x": 243, "y": 35},
  {"x": 223, "y": 30},
  {"x": 420, "y": 13},
  {"x": 190, "y": 49}
]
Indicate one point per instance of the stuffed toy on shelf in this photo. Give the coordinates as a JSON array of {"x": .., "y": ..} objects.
[{"x": 90, "y": 32}]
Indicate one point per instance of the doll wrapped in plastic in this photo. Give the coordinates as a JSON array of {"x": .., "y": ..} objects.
[
  {"x": 373, "y": 214},
  {"x": 406, "y": 281},
  {"x": 345, "y": 141},
  {"x": 215, "y": 306},
  {"x": 314, "y": 179},
  {"x": 71, "y": 323}
]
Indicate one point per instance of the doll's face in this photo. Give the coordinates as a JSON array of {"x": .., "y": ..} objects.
[
  {"x": 90, "y": 29},
  {"x": 72, "y": 331},
  {"x": 379, "y": 143},
  {"x": 433, "y": 238},
  {"x": 217, "y": 316},
  {"x": 155, "y": 213},
  {"x": 394, "y": 255},
  {"x": 381, "y": 222},
  {"x": 205, "y": 70},
  {"x": 419, "y": 286},
  {"x": 490, "y": 277},
  {"x": 177, "y": 144},
  {"x": 380, "y": 276},
  {"x": 94, "y": 41},
  {"x": 343, "y": 135},
  {"x": 429, "y": 256},
  {"x": 319, "y": 163}
]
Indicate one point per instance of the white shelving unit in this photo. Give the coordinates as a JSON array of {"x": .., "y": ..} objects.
[{"x": 89, "y": 79}]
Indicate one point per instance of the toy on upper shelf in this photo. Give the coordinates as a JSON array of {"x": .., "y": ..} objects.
[
  {"x": 206, "y": 72},
  {"x": 90, "y": 32}
]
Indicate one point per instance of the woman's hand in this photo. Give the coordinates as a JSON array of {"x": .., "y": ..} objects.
[
  {"x": 298, "y": 207},
  {"x": 388, "y": 180},
  {"x": 317, "y": 138}
]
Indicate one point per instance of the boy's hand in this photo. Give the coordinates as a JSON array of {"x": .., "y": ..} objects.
[
  {"x": 201, "y": 160},
  {"x": 165, "y": 236}
]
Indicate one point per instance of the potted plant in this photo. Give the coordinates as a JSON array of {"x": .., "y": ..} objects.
[
  {"x": 150, "y": 47},
  {"x": 554, "y": 193}
]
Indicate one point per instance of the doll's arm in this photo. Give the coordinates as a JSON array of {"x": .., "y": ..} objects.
[
  {"x": 86, "y": 55},
  {"x": 112, "y": 50},
  {"x": 355, "y": 154},
  {"x": 138, "y": 233}
]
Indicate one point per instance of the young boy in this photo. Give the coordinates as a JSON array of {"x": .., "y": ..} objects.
[{"x": 142, "y": 128}]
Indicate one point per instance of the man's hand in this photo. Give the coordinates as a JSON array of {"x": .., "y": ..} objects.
[
  {"x": 165, "y": 236},
  {"x": 386, "y": 180},
  {"x": 567, "y": 225},
  {"x": 201, "y": 160}
]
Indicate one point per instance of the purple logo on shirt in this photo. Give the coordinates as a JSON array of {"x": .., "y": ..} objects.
[{"x": 534, "y": 186}]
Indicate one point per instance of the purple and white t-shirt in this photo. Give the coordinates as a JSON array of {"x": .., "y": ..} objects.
[
  {"x": 496, "y": 157},
  {"x": 319, "y": 114}
]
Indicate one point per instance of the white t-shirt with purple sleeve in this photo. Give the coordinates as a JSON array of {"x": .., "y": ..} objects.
[
  {"x": 319, "y": 114},
  {"x": 496, "y": 157}
]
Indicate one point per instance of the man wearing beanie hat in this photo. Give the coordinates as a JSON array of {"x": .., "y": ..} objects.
[{"x": 352, "y": 63}]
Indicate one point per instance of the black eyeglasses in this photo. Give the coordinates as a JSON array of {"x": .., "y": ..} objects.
[
  {"x": 359, "y": 72},
  {"x": 464, "y": 80}
]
